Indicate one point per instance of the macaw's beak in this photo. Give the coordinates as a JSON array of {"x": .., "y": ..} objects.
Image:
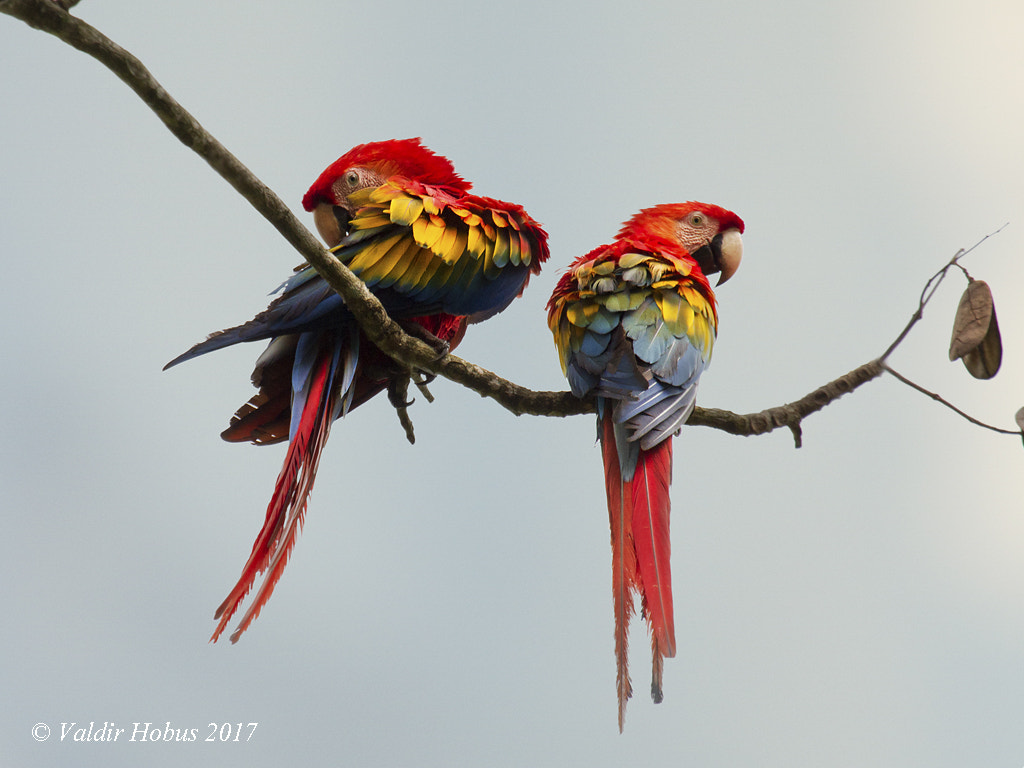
[
  {"x": 730, "y": 253},
  {"x": 331, "y": 222},
  {"x": 722, "y": 254}
]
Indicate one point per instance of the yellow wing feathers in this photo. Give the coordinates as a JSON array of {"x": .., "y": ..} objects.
[
  {"x": 635, "y": 290},
  {"x": 421, "y": 233}
]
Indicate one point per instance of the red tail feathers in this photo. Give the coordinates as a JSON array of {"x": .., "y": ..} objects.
[
  {"x": 287, "y": 507},
  {"x": 651, "y": 506},
  {"x": 624, "y": 574},
  {"x": 638, "y": 511}
]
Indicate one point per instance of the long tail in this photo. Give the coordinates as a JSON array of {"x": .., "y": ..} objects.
[
  {"x": 624, "y": 573},
  {"x": 650, "y": 509},
  {"x": 638, "y": 511},
  {"x": 318, "y": 398}
]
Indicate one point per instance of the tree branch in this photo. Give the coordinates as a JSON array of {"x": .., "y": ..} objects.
[
  {"x": 791, "y": 414},
  {"x": 51, "y": 16}
]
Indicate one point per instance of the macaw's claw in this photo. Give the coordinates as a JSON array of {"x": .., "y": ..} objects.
[
  {"x": 417, "y": 331},
  {"x": 398, "y": 391},
  {"x": 423, "y": 378}
]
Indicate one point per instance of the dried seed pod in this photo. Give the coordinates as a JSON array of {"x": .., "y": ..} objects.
[{"x": 976, "y": 332}]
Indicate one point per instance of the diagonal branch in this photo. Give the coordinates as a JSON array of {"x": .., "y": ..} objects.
[
  {"x": 52, "y": 17},
  {"x": 371, "y": 316}
]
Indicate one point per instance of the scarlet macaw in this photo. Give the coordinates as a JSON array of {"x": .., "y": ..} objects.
[
  {"x": 436, "y": 256},
  {"x": 634, "y": 323}
]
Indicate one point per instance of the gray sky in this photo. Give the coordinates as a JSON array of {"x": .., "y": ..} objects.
[{"x": 855, "y": 602}]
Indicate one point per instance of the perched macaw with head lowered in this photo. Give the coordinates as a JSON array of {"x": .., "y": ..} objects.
[
  {"x": 634, "y": 323},
  {"x": 436, "y": 257}
]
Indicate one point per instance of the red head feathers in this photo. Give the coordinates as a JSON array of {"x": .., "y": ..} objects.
[
  {"x": 662, "y": 219},
  {"x": 396, "y": 157}
]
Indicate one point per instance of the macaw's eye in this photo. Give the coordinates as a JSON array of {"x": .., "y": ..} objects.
[
  {"x": 697, "y": 220},
  {"x": 352, "y": 178}
]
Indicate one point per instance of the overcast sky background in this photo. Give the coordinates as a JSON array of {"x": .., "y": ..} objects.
[{"x": 859, "y": 601}]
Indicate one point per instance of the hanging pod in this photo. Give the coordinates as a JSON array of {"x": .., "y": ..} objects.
[{"x": 976, "y": 338}]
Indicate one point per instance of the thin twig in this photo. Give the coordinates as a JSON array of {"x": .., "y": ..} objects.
[
  {"x": 398, "y": 393},
  {"x": 939, "y": 399},
  {"x": 421, "y": 384},
  {"x": 931, "y": 287},
  {"x": 927, "y": 293}
]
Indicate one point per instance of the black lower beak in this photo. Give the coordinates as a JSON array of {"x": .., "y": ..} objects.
[
  {"x": 343, "y": 217},
  {"x": 709, "y": 256}
]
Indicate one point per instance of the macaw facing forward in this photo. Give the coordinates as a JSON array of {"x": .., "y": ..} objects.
[
  {"x": 634, "y": 323},
  {"x": 436, "y": 257}
]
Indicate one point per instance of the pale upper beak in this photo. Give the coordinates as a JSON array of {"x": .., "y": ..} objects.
[
  {"x": 730, "y": 254},
  {"x": 328, "y": 224}
]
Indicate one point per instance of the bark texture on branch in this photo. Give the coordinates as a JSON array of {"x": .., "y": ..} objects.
[
  {"x": 51, "y": 16},
  {"x": 788, "y": 415}
]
